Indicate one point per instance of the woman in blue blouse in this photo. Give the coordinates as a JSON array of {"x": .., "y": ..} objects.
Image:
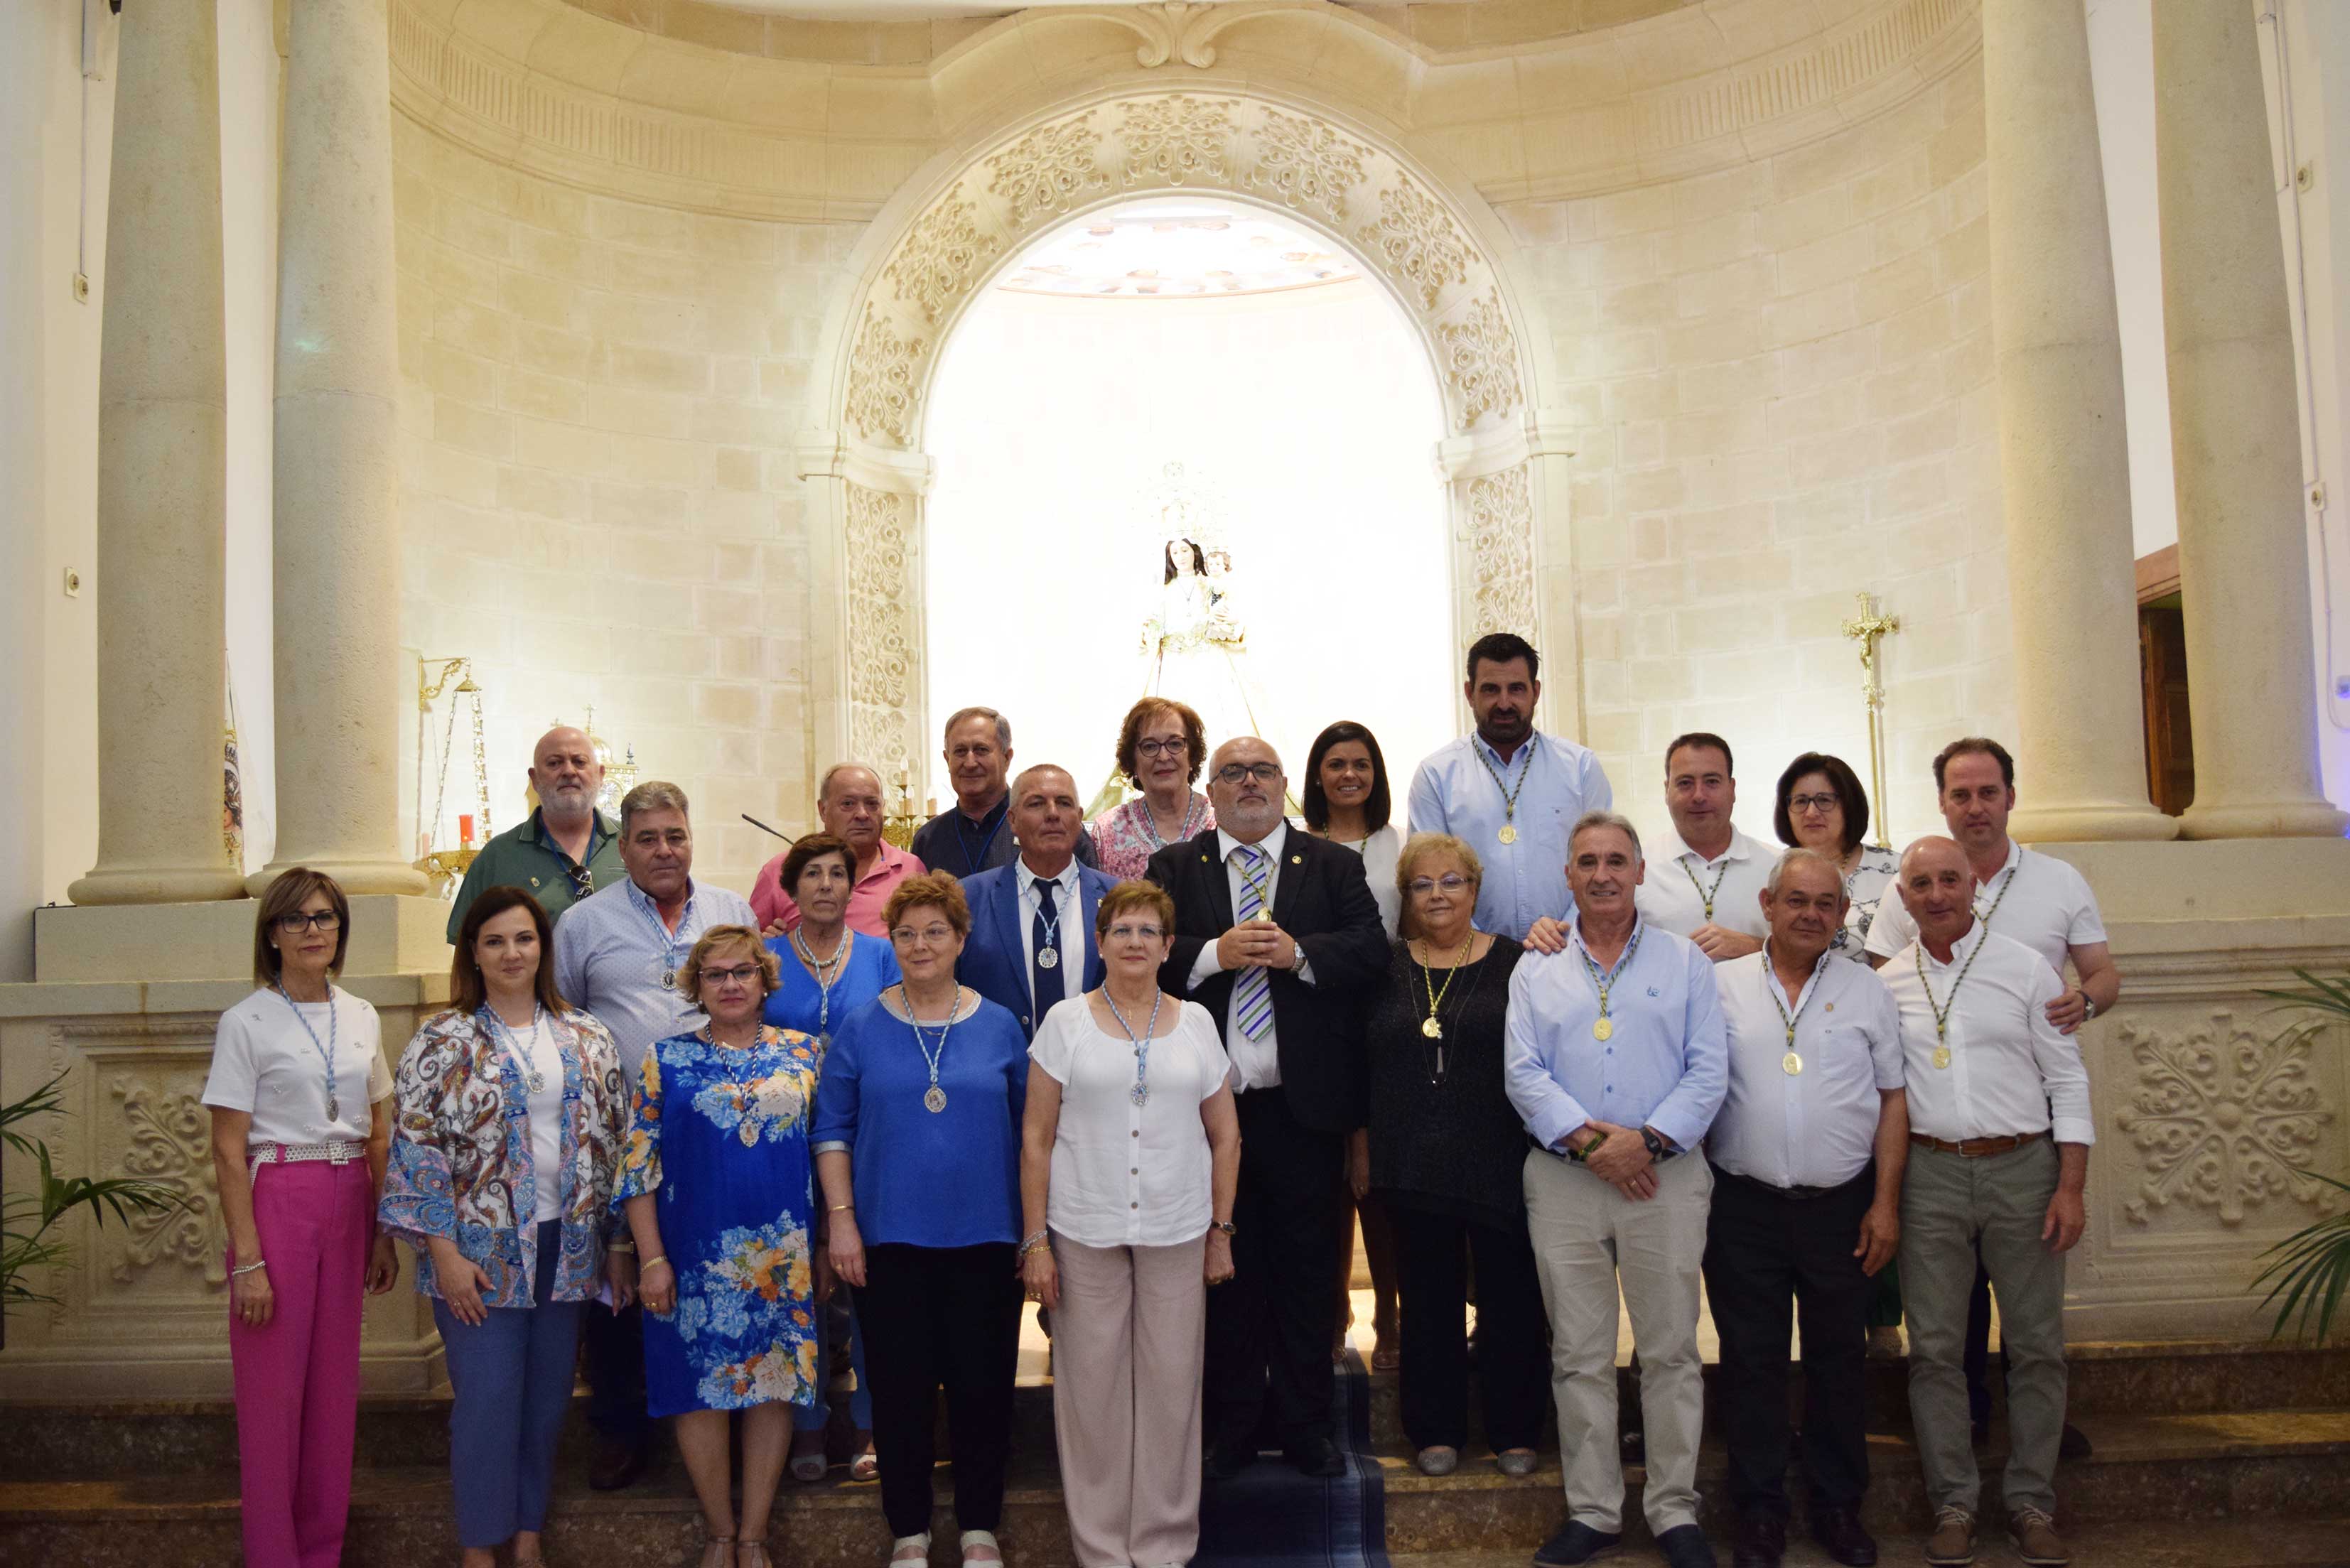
[
  {"x": 716, "y": 1183},
  {"x": 918, "y": 1146},
  {"x": 829, "y": 971}
]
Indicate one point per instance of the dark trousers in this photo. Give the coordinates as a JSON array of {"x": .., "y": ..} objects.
[
  {"x": 616, "y": 1373},
  {"x": 1765, "y": 1252},
  {"x": 932, "y": 1318},
  {"x": 511, "y": 1378},
  {"x": 1269, "y": 1331},
  {"x": 1432, "y": 1256}
]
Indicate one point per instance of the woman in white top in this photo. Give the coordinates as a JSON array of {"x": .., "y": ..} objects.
[
  {"x": 301, "y": 1112},
  {"x": 1348, "y": 802},
  {"x": 1129, "y": 1155}
]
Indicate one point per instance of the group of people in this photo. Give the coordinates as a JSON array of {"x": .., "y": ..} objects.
[{"x": 1145, "y": 1073}]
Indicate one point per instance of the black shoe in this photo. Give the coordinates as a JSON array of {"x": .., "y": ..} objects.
[
  {"x": 1316, "y": 1457},
  {"x": 1838, "y": 1531},
  {"x": 2073, "y": 1444},
  {"x": 1685, "y": 1546},
  {"x": 1575, "y": 1543},
  {"x": 1225, "y": 1460},
  {"x": 617, "y": 1464},
  {"x": 1761, "y": 1540}
]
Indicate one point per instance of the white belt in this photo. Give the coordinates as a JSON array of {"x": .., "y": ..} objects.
[{"x": 334, "y": 1153}]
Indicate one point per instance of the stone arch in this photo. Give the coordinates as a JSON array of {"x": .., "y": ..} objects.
[{"x": 1435, "y": 251}]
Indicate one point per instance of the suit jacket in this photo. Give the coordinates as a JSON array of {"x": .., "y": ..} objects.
[
  {"x": 993, "y": 962},
  {"x": 939, "y": 846},
  {"x": 1321, "y": 899}
]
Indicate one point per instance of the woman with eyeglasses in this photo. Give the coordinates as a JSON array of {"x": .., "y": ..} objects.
[
  {"x": 1129, "y": 1160},
  {"x": 301, "y": 1124},
  {"x": 918, "y": 1146},
  {"x": 1821, "y": 805},
  {"x": 1447, "y": 1149},
  {"x": 716, "y": 1183},
  {"x": 1161, "y": 747},
  {"x": 828, "y": 972},
  {"x": 512, "y": 1110}
]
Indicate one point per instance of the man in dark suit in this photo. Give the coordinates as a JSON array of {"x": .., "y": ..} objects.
[
  {"x": 1031, "y": 923},
  {"x": 1276, "y": 934}
]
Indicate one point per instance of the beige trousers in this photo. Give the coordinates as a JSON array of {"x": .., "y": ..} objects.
[
  {"x": 1587, "y": 1238},
  {"x": 1129, "y": 1338}
]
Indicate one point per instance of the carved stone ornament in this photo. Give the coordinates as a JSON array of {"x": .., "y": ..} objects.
[
  {"x": 880, "y": 605},
  {"x": 881, "y": 385},
  {"x": 1501, "y": 549},
  {"x": 1417, "y": 242},
  {"x": 1308, "y": 164},
  {"x": 1045, "y": 171},
  {"x": 169, "y": 1142},
  {"x": 2221, "y": 1115},
  {"x": 1480, "y": 361},
  {"x": 941, "y": 257},
  {"x": 1177, "y": 141}
]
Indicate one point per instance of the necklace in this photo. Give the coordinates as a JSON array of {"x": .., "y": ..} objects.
[
  {"x": 1262, "y": 888},
  {"x": 1140, "y": 1093},
  {"x": 525, "y": 1060},
  {"x": 935, "y": 1100},
  {"x": 1605, "y": 1028},
  {"x": 978, "y": 863},
  {"x": 327, "y": 1051},
  {"x": 1431, "y": 1025},
  {"x": 671, "y": 945},
  {"x": 1792, "y": 1064},
  {"x": 1705, "y": 894},
  {"x": 2001, "y": 897},
  {"x": 1150, "y": 822},
  {"x": 1509, "y": 833},
  {"x": 826, "y": 972},
  {"x": 1048, "y": 955},
  {"x": 1942, "y": 1011}
]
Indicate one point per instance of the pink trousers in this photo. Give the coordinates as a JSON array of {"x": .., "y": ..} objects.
[{"x": 297, "y": 1375}]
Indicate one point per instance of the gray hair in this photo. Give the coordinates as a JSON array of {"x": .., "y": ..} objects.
[
  {"x": 1020, "y": 779},
  {"x": 1595, "y": 819},
  {"x": 1800, "y": 857},
  {"x": 824, "y": 785},
  {"x": 1002, "y": 724},
  {"x": 653, "y": 795}
]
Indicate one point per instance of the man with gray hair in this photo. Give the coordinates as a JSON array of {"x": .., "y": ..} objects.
[
  {"x": 848, "y": 807},
  {"x": 1807, "y": 1154},
  {"x": 616, "y": 954},
  {"x": 561, "y": 853},
  {"x": 1616, "y": 1060},
  {"x": 974, "y": 835}
]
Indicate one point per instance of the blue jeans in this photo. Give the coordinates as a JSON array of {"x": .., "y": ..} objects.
[
  {"x": 840, "y": 1325},
  {"x": 512, "y": 1377}
]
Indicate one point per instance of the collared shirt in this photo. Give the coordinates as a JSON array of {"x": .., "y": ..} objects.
[
  {"x": 1665, "y": 1065},
  {"x": 1069, "y": 910},
  {"x": 2009, "y": 1070},
  {"x": 528, "y": 857},
  {"x": 1817, "y": 1126},
  {"x": 2041, "y": 901},
  {"x": 867, "y": 900},
  {"x": 1673, "y": 895},
  {"x": 1454, "y": 792},
  {"x": 612, "y": 949},
  {"x": 1257, "y": 1063}
]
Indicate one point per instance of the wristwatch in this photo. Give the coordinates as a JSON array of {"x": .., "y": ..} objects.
[
  {"x": 1226, "y": 1226},
  {"x": 2088, "y": 1004},
  {"x": 1659, "y": 1151},
  {"x": 1297, "y": 963}
]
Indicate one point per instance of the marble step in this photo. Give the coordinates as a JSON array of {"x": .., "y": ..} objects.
[
  {"x": 2278, "y": 1544},
  {"x": 2251, "y": 1477}
]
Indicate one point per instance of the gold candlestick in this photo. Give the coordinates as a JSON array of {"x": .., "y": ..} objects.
[{"x": 1865, "y": 628}]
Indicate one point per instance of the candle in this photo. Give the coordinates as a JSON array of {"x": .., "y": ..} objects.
[{"x": 466, "y": 829}]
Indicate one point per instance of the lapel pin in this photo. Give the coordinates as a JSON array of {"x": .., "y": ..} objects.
[{"x": 1298, "y": 860}]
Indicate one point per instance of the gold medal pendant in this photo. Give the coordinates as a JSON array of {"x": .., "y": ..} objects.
[
  {"x": 1604, "y": 1030},
  {"x": 1430, "y": 1027},
  {"x": 1942, "y": 1055},
  {"x": 1264, "y": 915},
  {"x": 935, "y": 1100},
  {"x": 1792, "y": 1063},
  {"x": 1509, "y": 833}
]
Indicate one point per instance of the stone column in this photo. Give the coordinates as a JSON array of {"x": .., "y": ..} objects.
[
  {"x": 162, "y": 474},
  {"x": 2063, "y": 451},
  {"x": 2235, "y": 436},
  {"x": 339, "y": 682}
]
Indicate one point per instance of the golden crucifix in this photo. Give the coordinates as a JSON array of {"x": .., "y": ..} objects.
[{"x": 1865, "y": 628}]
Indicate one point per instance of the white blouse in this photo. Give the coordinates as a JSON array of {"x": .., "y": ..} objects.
[
  {"x": 264, "y": 1062},
  {"x": 1380, "y": 852},
  {"x": 1126, "y": 1175}
]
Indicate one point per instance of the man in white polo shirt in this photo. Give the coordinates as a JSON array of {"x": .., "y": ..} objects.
[
  {"x": 1709, "y": 885},
  {"x": 2000, "y": 1130}
]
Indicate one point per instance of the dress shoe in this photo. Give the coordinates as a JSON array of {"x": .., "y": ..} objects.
[
  {"x": 1438, "y": 1460},
  {"x": 1316, "y": 1457},
  {"x": 1515, "y": 1461},
  {"x": 617, "y": 1464},
  {"x": 2036, "y": 1540},
  {"x": 1952, "y": 1545},
  {"x": 1225, "y": 1460},
  {"x": 1761, "y": 1540},
  {"x": 1577, "y": 1542},
  {"x": 2073, "y": 1444},
  {"x": 1685, "y": 1546},
  {"x": 1838, "y": 1531}
]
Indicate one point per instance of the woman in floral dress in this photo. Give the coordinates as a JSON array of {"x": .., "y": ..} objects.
[{"x": 716, "y": 1180}]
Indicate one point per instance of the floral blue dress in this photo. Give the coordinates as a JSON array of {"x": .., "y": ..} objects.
[{"x": 720, "y": 1138}]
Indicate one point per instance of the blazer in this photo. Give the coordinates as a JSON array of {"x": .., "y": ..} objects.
[
  {"x": 1322, "y": 898},
  {"x": 994, "y": 964}
]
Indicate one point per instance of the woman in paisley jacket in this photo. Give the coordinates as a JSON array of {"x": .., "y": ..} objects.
[
  {"x": 719, "y": 1187},
  {"x": 507, "y": 1140}
]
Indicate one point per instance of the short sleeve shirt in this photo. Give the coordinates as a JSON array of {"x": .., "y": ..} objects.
[
  {"x": 1126, "y": 1175},
  {"x": 266, "y": 1064},
  {"x": 2035, "y": 898}
]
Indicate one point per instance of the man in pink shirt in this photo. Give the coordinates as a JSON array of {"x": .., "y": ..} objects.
[{"x": 848, "y": 804}]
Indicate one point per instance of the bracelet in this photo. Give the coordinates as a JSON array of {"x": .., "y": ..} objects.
[
  {"x": 1040, "y": 1240},
  {"x": 661, "y": 1260},
  {"x": 257, "y": 1263},
  {"x": 840, "y": 1207},
  {"x": 623, "y": 1245}
]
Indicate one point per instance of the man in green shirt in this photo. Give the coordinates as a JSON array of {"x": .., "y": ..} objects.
[{"x": 564, "y": 850}]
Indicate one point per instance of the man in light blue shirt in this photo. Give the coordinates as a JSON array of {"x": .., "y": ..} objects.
[
  {"x": 1617, "y": 1060},
  {"x": 1510, "y": 792}
]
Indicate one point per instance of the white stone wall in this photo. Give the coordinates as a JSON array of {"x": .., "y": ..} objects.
[
  {"x": 598, "y": 399},
  {"x": 1784, "y": 374}
]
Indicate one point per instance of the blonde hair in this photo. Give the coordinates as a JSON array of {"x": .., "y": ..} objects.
[
  {"x": 1420, "y": 847},
  {"x": 771, "y": 970}
]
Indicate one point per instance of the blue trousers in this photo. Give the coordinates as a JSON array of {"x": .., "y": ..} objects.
[
  {"x": 840, "y": 1328},
  {"x": 512, "y": 1378}
]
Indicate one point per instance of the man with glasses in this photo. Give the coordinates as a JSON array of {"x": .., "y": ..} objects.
[
  {"x": 1276, "y": 934},
  {"x": 1031, "y": 923},
  {"x": 617, "y": 955},
  {"x": 566, "y": 850}
]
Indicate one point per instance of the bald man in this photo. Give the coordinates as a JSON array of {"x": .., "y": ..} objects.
[{"x": 566, "y": 850}]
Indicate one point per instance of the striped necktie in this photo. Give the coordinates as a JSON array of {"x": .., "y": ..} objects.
[{"x": 1252, "y": 991}]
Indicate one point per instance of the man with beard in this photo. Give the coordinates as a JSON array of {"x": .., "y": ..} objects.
[
  {"x": 566, "y": 850},
  {"x": 975, "y": 834},
  {"x": 1511, "y": 794}
]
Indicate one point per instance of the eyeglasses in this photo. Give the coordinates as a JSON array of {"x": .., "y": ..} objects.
[
  {"x": 1131, "y": 933},
  {"x": 1174, "y": 748},
  {"x": 741, "y": 974},
  {"x": 294, "y": 925},
  {"x": 1822, "y": 804},
  {"x": 1451, "y": 882},
  {"x": 905, "y": 936},
  {"x": 1233, "y": 772}
]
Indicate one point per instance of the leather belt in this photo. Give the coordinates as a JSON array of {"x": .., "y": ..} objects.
[
  {"x": 334, "y": 1153},
  {"x": 1977, "y": 1148},
  {"x": 1796, "y": 1194}
]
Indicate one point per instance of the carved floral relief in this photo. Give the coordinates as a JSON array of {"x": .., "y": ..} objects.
[
  {"x": 2220, "y": 1115},
  {"x": 169, "y": 1142},
  {"x": 1500, "y": 551},
  {"x": 1177, "y": 141},
  {"x": 1306, "y": 163}
]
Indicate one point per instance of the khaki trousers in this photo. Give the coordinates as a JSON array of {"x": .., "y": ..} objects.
[
  {"x": 1588, "y": 1238},
  {"x": 1129, "y": 1338}
]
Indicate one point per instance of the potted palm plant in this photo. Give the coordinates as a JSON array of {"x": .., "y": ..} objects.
[
  {"x": 2308, "y": 1271},
  {"x": 28, "y": 1218}
]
